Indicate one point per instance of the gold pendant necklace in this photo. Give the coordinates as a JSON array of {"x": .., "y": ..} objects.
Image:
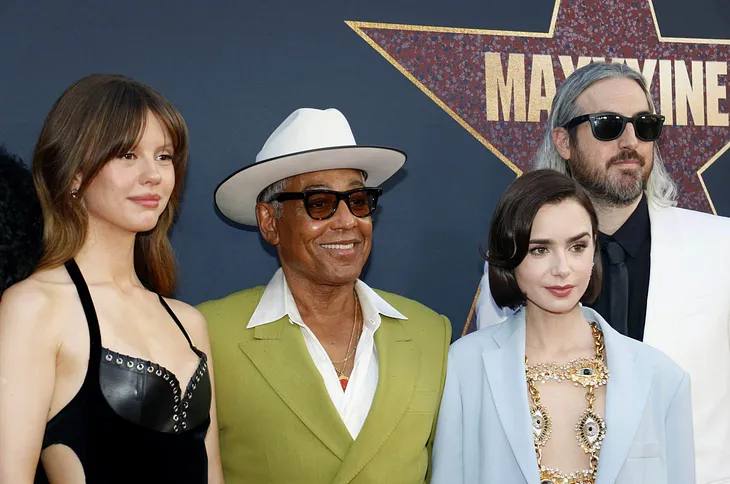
[
  {"x": 590, "y": 428},
  {"x": 344, "y": 379}
]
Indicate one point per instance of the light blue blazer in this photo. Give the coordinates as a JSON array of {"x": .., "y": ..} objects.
[{"x": 484, "y": 432}]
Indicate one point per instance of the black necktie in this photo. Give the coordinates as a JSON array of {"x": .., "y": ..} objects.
[{"x": 618, "y": 280}]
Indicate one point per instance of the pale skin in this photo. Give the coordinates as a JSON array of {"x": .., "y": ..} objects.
[
  {"x": 44, "y": 336},
  {"x": 560, "y": 254},
  {"x": 321, "y": 279},
  {"x": 620, "y": 96}
]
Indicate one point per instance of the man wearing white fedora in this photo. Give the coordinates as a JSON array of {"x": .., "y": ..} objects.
[{"x": 319, "y": 378}]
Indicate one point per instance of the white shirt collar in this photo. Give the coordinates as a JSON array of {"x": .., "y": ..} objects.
[{"x": 278, "y": 302}]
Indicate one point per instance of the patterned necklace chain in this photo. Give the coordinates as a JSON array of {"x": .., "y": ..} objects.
[{"x": 590, "y": 428}]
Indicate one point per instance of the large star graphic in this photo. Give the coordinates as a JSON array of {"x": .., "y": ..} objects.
[{"x": 456, "y": 69}]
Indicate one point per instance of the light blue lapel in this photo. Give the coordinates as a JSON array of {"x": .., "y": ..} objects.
[
  {"x": 505, "y": 367},
  {"x": 626, "y": 395}
]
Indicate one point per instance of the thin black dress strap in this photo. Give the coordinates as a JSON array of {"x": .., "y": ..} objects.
[
  {"x": 177, "y": 321},
  {"x": 92, "y": 320}
]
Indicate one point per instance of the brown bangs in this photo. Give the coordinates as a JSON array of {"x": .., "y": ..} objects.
[{"x": 96, "y": 119}]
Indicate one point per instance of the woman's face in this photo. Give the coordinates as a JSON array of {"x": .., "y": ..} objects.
[
  {"x": 132, "y": 190},
  {"x": 557, "y": 268}
]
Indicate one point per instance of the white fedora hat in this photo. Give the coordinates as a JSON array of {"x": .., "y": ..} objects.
[{"x": 308, "y": 140}]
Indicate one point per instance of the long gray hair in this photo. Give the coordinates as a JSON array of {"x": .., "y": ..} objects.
[{"x": 660, "y": 189}]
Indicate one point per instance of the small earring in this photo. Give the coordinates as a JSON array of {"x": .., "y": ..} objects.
[{"x": 74, "y": 193}]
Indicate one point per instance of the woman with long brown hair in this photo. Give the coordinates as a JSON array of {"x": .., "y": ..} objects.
[{"x": 103, "y": 376}]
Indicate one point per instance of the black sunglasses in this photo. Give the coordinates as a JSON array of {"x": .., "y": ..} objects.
[
  {"x": 322, "y": 204},
  {"x": 610, "y": 126}
]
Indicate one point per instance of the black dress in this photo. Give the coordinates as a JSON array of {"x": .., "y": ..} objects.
[{"x": 131, "y": 421}]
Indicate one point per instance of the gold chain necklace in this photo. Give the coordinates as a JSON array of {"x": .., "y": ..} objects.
[
  {"x": 348, "y": 355},
  {"x": 590, "y": 428},
  {"x": 344, "y": 379}
]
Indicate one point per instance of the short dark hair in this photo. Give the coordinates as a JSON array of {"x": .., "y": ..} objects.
[
  {"x": 509, "y": 233},
  {"x": 21, "y": 222}
]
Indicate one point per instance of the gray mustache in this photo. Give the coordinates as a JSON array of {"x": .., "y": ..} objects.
[{"x": 627, "y": 155}]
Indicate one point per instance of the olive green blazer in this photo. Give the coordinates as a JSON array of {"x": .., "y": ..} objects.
[{"x": 277, "y": 422}]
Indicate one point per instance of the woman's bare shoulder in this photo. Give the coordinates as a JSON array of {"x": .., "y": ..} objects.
[{"x": 40, "y": 300}]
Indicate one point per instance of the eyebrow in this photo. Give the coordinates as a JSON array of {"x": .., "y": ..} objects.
[
  {"x": 316, "y": 187},
  {"x": 550, "y": 241},
  {"x": 165, "y": 147}
]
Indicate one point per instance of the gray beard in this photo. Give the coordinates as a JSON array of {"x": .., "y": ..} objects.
[{"x": 604, "y": 190}]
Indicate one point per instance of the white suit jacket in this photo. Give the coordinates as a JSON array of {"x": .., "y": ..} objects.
[
  {"x": 688, "y": 318},
  {"x": 484, "y": 432}
]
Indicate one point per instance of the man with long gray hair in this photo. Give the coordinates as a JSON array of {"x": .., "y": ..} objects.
[{"x": 666, "y": 270}]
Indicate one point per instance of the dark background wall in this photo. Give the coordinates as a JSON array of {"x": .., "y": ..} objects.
[{"x": 236, "y": 69}]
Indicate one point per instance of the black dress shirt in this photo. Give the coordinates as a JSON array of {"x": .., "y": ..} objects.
[{"x": 634, "y": 237}]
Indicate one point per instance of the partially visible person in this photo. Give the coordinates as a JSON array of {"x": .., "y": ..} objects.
[
  {"x": 104, "y": 377},
  {"x": 554, "y": 394},
  {"x": 321, "y": 378},
  {"x": 667, "y": 270},
  {"x": 21, "y": 222}
]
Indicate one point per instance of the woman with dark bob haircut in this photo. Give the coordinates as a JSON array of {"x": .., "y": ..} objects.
[
  {"x": 103, "y": 377},
  {"x": 553, "y": 394}
]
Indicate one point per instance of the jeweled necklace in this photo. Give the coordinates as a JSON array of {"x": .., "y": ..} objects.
[{"x": 590, "y": 428}]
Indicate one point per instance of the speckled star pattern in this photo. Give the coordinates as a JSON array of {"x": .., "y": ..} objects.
[{"x": 448, "y": 64}]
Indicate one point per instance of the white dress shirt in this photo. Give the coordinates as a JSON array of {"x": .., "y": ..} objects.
[{"x": 353, "y": 404}]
